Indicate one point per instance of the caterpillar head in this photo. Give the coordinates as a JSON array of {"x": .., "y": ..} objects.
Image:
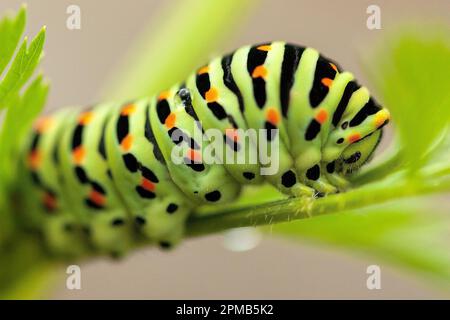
[
  {"x": 358, "y": 153},
  {"x": 354, "y": 140}
]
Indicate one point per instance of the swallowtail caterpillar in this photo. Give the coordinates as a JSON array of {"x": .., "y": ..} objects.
[{"x": 101, "y": 179}]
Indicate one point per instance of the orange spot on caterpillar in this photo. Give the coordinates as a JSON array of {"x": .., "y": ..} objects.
[
  {"x": 211, "y": 95},
  {"x": 232, "y": 134},
  {"x": 170, "y": 120},
  {"x": 85, "y": 118},
  {"x": 327, "y": 82},
  {"x": 78, "y": 154},
  {"x": 334, "y": 67},
  {"x": 259, "y": 72},
  {"x": 49, "y": 201},
  {"x": 128, "y": 109},
  {"x": 163, "y": 95},
  {"x": 354, "y": 137},
  {"x": 97, "y": 198},
  {"x": 147, "y": 184},
  {"x": 273, "y": 116},
  {"x": 127, "y": 142},
  {"x": 321, "y": 116},
  {"x": 381, "y": 117},
  {"x": 34, "y": 159},
  {"x": 43, "y": 124},
  {"x": 194, "y": 156},
  {"x": 264, "y": 47},
  {"x": 203, "y": 70}
]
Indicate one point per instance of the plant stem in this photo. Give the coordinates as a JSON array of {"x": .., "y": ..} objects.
[{"x": 300, "y": 208}]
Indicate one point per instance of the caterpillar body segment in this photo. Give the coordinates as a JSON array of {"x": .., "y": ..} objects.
[
  {"x": 256, "y": 69},
  {"x": 104, "y": 179},
  {"x": 87, "y": 178},
  {"x": 157, "y": 206},
  {"x": 209, "y": 107},
  {"x": 177, "y": 131},
  {"x": 44, "y": 207}
]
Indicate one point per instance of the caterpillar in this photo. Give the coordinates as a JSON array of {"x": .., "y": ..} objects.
[{"x": 102, "y": 179}]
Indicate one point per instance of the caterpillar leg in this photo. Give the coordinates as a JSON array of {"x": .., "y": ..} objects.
[
  {"x": 111, "y": 233},
  {"x": 278, "y": 168},
  {"x": 313, "y": 178},
  {"x": 334, "y": 177},
  {"x": 288, "y": 182},
  {"x": 337, "y": 180},
  {"x": 64, "y": 237},
  {"x": 164, "y": 222},
  {"x": 301, "y": 190}
]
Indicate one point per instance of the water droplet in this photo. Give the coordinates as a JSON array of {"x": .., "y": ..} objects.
[{"x": 242, "y": 239}]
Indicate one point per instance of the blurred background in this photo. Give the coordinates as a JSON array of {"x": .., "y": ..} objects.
[{"x": 80, "y": 63}]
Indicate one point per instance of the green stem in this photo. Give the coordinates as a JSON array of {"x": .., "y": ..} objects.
[{"x": 300, "y": 208}]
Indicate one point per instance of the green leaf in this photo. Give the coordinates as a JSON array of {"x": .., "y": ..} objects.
[
  {"x": 18, "y": 121},
  {"x": 10, "y": 31},
  {"x": 411, "y": 73},
  {"x": 412, "y": 237},
  {"x": 19, "y": 118},
  {"x": 22, "y": 107},
  {"x": 22, "y": 68}
]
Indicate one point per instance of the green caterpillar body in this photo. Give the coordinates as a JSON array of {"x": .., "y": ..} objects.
[{"x": 103, "y": 179}]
